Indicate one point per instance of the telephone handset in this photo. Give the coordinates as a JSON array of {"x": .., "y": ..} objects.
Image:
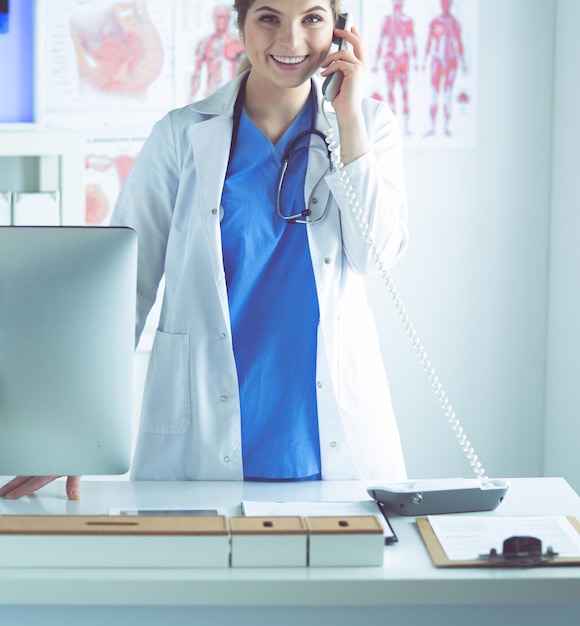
[
  {"x": 332, "y": 83},
  {"x": 428, "y": 496}
]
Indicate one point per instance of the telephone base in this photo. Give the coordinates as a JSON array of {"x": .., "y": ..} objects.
[{"x": 436, "y": 496}]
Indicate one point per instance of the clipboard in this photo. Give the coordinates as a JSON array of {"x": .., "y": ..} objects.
[{"x": 440, "y": 558}]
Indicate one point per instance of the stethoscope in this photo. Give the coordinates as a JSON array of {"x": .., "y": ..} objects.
[{"x": 304, "y": 216}]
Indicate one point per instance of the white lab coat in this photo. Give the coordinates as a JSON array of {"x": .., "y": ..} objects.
[{"x": 190, "y": 422}]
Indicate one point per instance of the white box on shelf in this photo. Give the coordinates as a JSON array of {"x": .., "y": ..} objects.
[
  {"x": 5, "y": 208},
  {"x": 39, "y": 208}
]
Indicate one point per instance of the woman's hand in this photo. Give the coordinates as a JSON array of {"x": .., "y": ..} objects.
[
  {"x": 26, "y": 485},
  {"x": 351, "y": 61}
]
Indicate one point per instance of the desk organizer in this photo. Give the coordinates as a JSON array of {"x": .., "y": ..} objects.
[
  {"x": 269, "y": 542},
  {"x": 189, "y": 541},
  {"x": 341, "y": 542},
  {"x": 104, "y": 541}
]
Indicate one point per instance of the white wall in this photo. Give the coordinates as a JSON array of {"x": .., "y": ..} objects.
[
  {"x": 562, "y": 435},
  {"x": 475, "y": 278}
]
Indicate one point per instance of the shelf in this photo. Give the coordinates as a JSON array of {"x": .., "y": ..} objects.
[{"x": 61, "y": 157}]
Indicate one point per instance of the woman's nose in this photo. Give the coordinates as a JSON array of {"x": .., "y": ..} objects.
[{"x": 290, "y": 35}]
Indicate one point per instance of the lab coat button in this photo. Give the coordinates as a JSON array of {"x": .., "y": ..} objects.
[
  {"x": 333, "y": 444},
  {"x": 223, "y": 398},
  {"x": 327, "y": 260},
  {"x": 226, "y": 459},
  {"x": 214, "y": 211},
  {"x": 314, "y": 201},
  {"x": 319, "y": 384},
  {"x": 223, "y": 336}
]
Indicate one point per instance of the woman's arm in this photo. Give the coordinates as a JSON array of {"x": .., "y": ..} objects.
[
  {"x": 146, "y": 203},
  {"x": 370, "y": 189}
]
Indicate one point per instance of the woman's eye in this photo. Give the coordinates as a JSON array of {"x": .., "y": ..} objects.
[
  {"x": 268, "y": 19},
  {"x": 313, "y": 19}
]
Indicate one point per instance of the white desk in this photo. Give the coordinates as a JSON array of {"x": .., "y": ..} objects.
[{"x": 406, "y": 590}]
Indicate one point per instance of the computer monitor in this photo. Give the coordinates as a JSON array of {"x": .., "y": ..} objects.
[{"x": 67, "y": 339}]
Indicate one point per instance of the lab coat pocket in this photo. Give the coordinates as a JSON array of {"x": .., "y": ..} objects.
[{"x": 166, "y": 399}]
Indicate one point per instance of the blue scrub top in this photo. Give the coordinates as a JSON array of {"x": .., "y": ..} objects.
[{"x": 273, "y": 305}]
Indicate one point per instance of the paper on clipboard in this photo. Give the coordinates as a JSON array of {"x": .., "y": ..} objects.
[{"x": 460, "y": 540}]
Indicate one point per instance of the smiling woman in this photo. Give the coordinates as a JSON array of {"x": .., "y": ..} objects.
[
  {"x": 243, "y": 7},
  {"x": 285, "y": 45},
  {"x": 266, "y": 363}
]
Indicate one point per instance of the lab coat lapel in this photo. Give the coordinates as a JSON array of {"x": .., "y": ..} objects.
[
  {"x": 210, "y": 141},
  {"x": 323, "y": 245}
]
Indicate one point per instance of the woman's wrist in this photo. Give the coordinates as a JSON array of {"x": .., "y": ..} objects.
[{"x": 354, "y": 141}]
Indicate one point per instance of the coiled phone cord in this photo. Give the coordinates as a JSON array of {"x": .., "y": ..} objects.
[{"x": 400, "y": 309}]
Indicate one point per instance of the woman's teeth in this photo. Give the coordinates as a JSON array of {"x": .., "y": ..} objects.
[{"x": 289, "y": 60}]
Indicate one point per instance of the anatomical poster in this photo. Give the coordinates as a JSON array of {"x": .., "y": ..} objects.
[
  {"x": 107, "y": 164},
  {"x": 422, "y": 57},
  {"x": 112, "y": 68},
  {"x": 108, "y": 63},
  {"x": 208, "y": 48}
]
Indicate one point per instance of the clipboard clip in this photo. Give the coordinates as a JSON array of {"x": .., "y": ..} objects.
[{"x": 521, "y": 551}]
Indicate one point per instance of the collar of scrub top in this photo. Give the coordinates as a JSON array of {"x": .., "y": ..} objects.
[{"x": 305, "y": 216}]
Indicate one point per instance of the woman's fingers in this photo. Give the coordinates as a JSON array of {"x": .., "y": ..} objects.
[
  {"x": 24, "y": 486},
  {"x": 73, "y": 487}
]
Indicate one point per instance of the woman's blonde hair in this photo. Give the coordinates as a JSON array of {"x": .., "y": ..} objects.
[{"x": 241, "y": 7}]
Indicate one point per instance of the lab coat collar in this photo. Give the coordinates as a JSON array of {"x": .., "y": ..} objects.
[{"x": 222, "y": 101}]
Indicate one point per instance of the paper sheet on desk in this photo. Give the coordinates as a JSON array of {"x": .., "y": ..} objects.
[
  {"x": 465, "y": 537},
  {"x": 319, "y": 509},
  {"x": 158, "y": 511}
]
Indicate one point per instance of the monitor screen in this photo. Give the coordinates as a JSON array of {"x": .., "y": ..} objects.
[
  {"x": 18, "y": 61},
  {"x": 67, "y": 338}
]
